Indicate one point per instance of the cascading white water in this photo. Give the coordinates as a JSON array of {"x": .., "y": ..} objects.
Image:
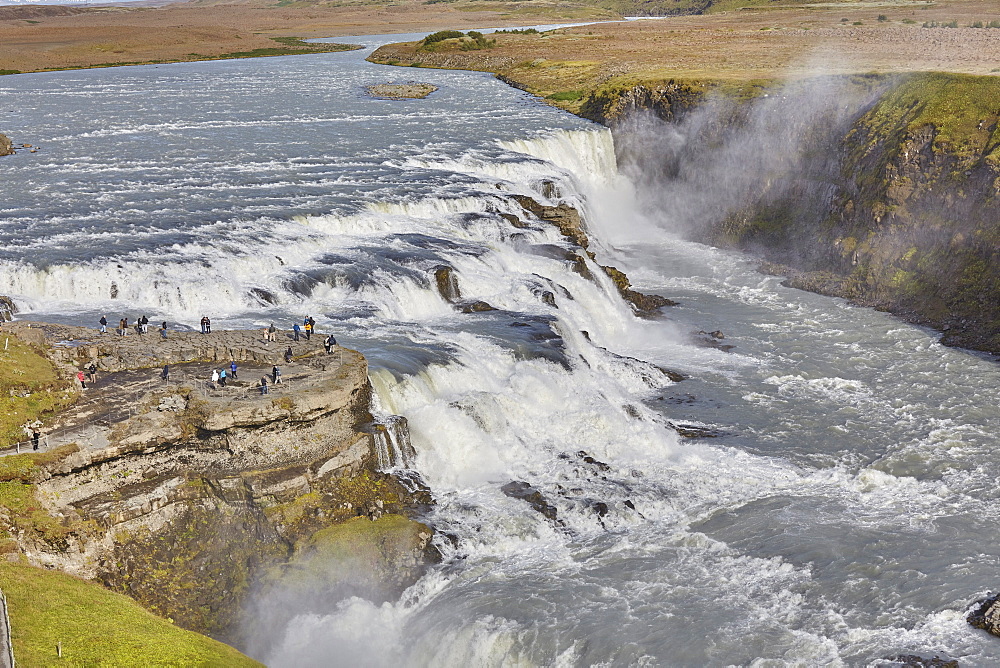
[
  {"x": 392, "y": 443},
  {"x": 836, "y": 518}
]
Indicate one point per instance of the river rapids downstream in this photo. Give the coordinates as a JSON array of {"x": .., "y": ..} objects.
[{"x": 838, "y": 507}]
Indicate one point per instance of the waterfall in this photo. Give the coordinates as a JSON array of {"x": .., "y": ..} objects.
[{"x": 393, "y": 449}]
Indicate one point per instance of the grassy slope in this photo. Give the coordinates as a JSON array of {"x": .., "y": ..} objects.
[
  {"x": 30, "y": 388},
  {"x": 97, "y": 627}
]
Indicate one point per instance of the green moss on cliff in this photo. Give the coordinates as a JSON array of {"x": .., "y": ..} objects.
[
  {"x": 30, "y": 389},
  {"x": 96, "y": 627},
  {"x": 375, "y": 559}
]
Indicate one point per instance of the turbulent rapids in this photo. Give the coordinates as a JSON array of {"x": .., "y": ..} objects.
[{"x": 837, "y": 507}]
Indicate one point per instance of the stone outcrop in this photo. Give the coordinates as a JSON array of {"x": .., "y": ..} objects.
[
  {"x": 408, "y": 91},
  {"x": 669, "y": 101},
  {"x": 986, "y": 614},
  {"x": 6, "y": 146},
  {"x": 563, "y": 216},
  {"x": 186, "y": 499}
]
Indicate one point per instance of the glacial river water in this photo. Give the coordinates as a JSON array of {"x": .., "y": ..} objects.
[{"x": 846, "y": 511}]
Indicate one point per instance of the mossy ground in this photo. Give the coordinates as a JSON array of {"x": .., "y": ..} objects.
[
  {"x": 30, "y": 388},
  {"x": 96, "y": 627}
]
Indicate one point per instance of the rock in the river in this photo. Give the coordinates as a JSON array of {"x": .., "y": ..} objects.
[
  {"x": 7, "y": 308},
  {"x": 986, "y": 616},
  {"x": 407, "y": 91},
  {"x": 6, "y": 146},
  {"x": 522, "y": 490}
]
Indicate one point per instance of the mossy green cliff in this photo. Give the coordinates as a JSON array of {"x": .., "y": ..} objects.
[{"x": 909, "y": 221}]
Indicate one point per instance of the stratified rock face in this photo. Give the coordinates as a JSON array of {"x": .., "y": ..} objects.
[
  {"x": 986, "y": 615},
  {"x": 669, "y": 101},
  {"x": 6, "y": 147},
  {"x": 194, "y": 492}
]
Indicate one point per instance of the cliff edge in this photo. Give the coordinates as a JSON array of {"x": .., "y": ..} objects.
[{"x": 182, "y": 493}]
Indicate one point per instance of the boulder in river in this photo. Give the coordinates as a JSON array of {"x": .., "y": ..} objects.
[
  {"x": 407, "y": 91},
  {"x": 6, "y": 146}
]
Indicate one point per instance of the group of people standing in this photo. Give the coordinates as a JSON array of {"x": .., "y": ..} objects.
[
  {"x": 221, "y": 376},
  {"x": 308, "y": 327},
  {"x": 141, "y": 326}
]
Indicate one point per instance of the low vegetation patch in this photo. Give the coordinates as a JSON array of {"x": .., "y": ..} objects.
[
  {"x": 471, "y": 41},
  {"x": 30, "y": 389},
  {"x": 97, "y": 627}
]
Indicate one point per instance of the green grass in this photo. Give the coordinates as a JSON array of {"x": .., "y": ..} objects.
[
  {"x": 30, "y": 388},
  {"x": 962, "y": 109},
  {"x": 97, "y": 627}
]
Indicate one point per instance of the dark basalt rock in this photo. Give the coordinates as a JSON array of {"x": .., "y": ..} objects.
[
  {"x": 264, "y": 296},
  {"x": 7, "y": 308},
  {"x": 986, "y": 615},
  {"x": 525, "y": 492},
  {"x": 478, "y": 306},
  {"x": 711, "y": 340},
  {"x": 916, "y": 661},
  {"x": 447, "y": 283},
  {"x": 694, "y": 430},
  {"x": 643, "y": 303},
  {"x": 593, "y": 462}
]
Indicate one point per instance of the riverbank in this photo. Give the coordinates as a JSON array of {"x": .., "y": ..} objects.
[{"x": 38, "y": 38}]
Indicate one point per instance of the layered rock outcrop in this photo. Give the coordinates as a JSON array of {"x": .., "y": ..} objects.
[{"x": 185, "y": 498}]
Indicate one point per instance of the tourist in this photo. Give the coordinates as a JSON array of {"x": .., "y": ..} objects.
[
  {"x": 309, "y": 329},
  {"x": 165, "y": 374},
  {"x": 329, "y": 343},
  {"x": 222, "y": 378},
  {"x": 123, "y": 327},
  {"x": 271, "y": 332},
  {"x": 35, "y": 434},
  {"x": 288, "y": 355},
  {"x": 144, "y": 324},
  {"x": 92, "y": 373},
  {"x": 263, "y": 385},
  {"x": 295, "y": 332},
  {"x": 83, "y": 381},
  {"x": 215, "y": 376},
  {"x": 163, "y": 330},
  {"x": 232, "y": 370},
  {"x": 204, "y": 324},
  {"x": 275, "y": 375},
  {"x": 104, "y": 324},
  {"x": 208, "y": 326}
]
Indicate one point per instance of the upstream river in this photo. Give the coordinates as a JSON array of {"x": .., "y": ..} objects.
[{"x": 840, "y": 509}]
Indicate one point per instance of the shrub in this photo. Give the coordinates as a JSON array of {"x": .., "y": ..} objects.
[
  {"x": 882, "y": 18},
  {"x": 442, "y": 35},
  {"x": 478, "y": 42}
]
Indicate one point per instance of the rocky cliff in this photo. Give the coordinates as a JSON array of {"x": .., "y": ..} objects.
[
  {"x": 183, "y": 494},
  {"x": 880, "y": 189}
]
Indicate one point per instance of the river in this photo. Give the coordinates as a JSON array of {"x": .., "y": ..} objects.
[{"x": 838, "y": 511}]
